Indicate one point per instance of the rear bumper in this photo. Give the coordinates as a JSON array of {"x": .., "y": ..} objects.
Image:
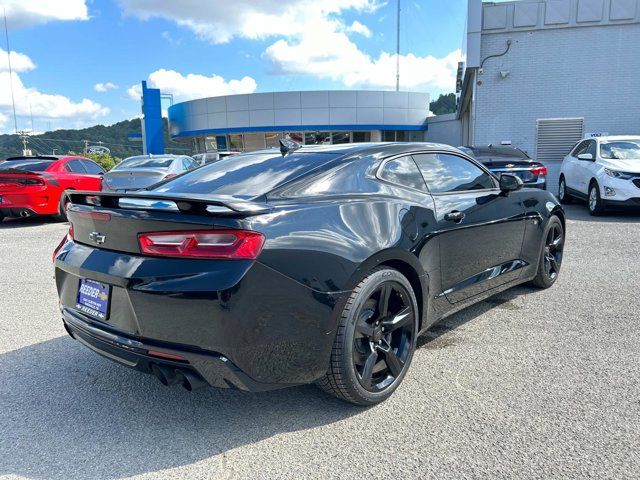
[
  {"x": 211, "y": 368},
  {"x": 268, "y": 326},
  {"x": 26, "y": 205}
]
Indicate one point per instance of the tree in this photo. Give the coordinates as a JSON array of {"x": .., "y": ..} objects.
[{"x": 444, "y": 104}]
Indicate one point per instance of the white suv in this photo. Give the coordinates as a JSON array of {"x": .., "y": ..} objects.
[{"x": 605, "y": 171}]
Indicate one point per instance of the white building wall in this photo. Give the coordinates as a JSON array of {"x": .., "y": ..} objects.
[
  {"x": 568, "y": 58},
  {"x": 444, "y": 129}
]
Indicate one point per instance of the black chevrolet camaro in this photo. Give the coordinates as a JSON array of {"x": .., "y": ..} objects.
[{"x": 312, "y": 264}]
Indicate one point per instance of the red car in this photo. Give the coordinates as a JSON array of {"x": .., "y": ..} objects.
[{"x": 35, "y": 185}]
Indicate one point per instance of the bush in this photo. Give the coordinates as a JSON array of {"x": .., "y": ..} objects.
[{"x": 105, "y": 160}]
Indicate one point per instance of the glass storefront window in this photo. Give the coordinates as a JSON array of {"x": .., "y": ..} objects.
[
  {"x": 272, "y": 140},
  {"x": 340, "y": 137},
  {"x": 253, "y": 142},
  {"x": 210, "y": 144},
  {"x": 221, "y": 141},
  {"x": 401, "y": 136},
  {"x": 317, "y": 138},
  {"x": 388, "y": 135},
  {"x": 235, "y": 142},
  {"x": 359, "y": 137},
  {"x": 416, "y": 136},
  {"x": 297, "y": 137}
]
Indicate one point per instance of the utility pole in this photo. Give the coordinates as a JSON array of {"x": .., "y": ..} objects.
[
  {"x": 13, "y": 100},
  {"x": 24, "y": 136},
  {"x": 86, "y": 146},
  {"x": 398, "y": 51}
]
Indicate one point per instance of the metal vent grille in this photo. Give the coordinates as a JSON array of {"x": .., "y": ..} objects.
[{"x": 556, "y": 137}]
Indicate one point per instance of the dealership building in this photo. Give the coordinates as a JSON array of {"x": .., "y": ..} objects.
[
  {"x": 256, "y": 121},
  {"x": 543, "y": 74}
]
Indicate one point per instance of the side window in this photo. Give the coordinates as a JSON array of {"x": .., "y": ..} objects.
[
  {"x": 74, "y": 166},
  {"x": 403, "y": 171},
  {"x": 187, "y": 164},
  {"x": 91, "y": 167},
  {"x": 591, "y": 148},
  {"x": 445, "y": 172},
  {"x": 580, "y": 148}
]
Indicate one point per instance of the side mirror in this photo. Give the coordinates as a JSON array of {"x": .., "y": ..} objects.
[
  {"x": 586, "y": 156},
  {"x": 510, "y": 183}
]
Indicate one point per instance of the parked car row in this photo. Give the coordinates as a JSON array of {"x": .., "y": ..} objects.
[
  {"x": 604, "y": 171},
  {"x": 35, "y": 185}
]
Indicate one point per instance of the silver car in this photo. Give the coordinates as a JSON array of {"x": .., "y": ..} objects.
[{"x": 135, "y": 173}]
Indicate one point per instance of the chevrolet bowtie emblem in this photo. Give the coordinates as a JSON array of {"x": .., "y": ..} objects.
[{"x": 97, "y": 237}]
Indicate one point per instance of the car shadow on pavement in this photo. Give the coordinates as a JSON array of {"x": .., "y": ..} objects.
[
  {"x": 579, "y": 212},
  {"x": 26, "y": 222},
  {"x": 68, "y": 413},
  {"x": 435, "y": 336}
]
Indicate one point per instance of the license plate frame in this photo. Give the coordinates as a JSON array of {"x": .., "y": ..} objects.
[{"x": 94, "y": 298}]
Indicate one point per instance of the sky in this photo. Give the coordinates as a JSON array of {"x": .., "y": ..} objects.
[{"x": 80, "y": 62}]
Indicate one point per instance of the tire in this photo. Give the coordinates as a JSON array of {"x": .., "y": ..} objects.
[
  {"x": 563, "y": 195},
  {"x": 61, "y": 216},
  {"x": 367, "y": 364},
  {"x": 595, "y": 204},
  {"x": 550, "y": 255}
]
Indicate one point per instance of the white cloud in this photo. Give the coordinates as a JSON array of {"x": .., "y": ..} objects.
[
  {"x": 103, "y": 87},
  {"x": 30, "y": 100},
  {"x": 22, "y": 13},
  {"x": 357, "y": 27},
  {"x": 3, "y": 120},
  {"x": 219, "y": 21},
  {"x": 187, "y": 87},
  {"x": 314, "y": 39},
  {"x": 19, "y": 62}
]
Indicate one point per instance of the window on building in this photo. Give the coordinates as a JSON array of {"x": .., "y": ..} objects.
[
  {"x": 359, "y": 137},
  {"x": 253, "y": 142},
  {"x": 235, "y": 142},
  {"x": 297, "y": 137},
  {"x": 340, "y": 137},
  {"x": 444, "y": 172},
  {"x": 401, "y": 136},
  {"x": 317, "y": 138},
  {"x": 272, "y": 140},
  {"x": 403, "y": 171},
  {"x": 388, "y": 135},
  {"x": 413, "y": 136},
  {"x": 221, "y": 142},
  {"x": 210, "y": 144}
]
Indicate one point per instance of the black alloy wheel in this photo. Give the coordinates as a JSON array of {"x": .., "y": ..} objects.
[
  {"x": 383, "y": 337},
  {"x": 551, "y": 257},
  {"x": 375, "y": 341},
  {"x": 553, "y": 252}
]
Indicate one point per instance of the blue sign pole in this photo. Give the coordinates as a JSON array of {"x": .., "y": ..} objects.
[{"x": 153, "y": 142}]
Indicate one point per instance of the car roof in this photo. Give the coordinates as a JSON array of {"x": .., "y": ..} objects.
[
  {"x": 615, "y": 137},
  {"x": 367, "y": 148}
]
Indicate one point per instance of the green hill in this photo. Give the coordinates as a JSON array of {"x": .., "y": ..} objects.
[{"x": 113, "y": 136}]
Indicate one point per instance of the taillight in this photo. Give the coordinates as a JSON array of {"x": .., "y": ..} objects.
[
  {"x": 541, "y": 170},
  {"x": 68, "y": 237},
  {"x": 215, "y": 244},
  {"x": 32, "y": 181}
]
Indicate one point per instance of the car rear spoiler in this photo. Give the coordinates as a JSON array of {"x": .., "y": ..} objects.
[{"x": 192, "y": 204}]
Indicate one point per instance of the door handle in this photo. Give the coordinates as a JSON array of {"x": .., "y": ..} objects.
[{"x": 454, "y": 216}]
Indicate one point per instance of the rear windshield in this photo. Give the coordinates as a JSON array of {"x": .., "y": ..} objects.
[
  {"x": 146, "y": 162},
  {"x": 246, "y": 176},
  {"x": 624, "y": 149},
  {"x": 27, "y": 165}
]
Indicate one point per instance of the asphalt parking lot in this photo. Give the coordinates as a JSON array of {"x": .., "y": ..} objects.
[{"x": 528, "y": 384}]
